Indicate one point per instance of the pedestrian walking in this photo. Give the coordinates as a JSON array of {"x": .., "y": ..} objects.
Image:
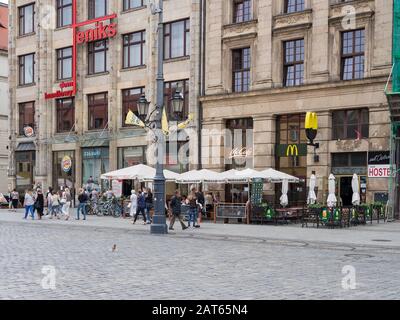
[
  {"x": 95, "y": 199},
  {"x": 66, "y": 202},
  {"x": 193, "y": 207},
  {"x": 149, "y": 204},
  {"x": 55, "y": 205},
  {"x": 49, "y": 202},
  {"x": 83, "y": 199},
  {"x": 133, "y": 204},
  {"x": 39, "y": 204},
  {"x": 176, "y": 207},
  {"x": 141, "y": 206},
  {"x": 15, "y": 199},
  {"x": 28, "y": 204}
]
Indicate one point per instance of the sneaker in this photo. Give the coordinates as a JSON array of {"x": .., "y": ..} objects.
[
  {"x": 197, "y": 226},
  {"x": 184, "y": 228},
  {"x": 171, "y": 229}
]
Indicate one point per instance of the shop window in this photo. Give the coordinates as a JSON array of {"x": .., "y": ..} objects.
[
  {"x": 64, "y": 13},
  {"x": 294, "y": 6},
  {"x": 351, "y": 159},
  {"x": 353, "y": 55},
  {"x": 98, "y": 111},
  {"x": 65, "y": 114},
  {"x": 132, "y": 4},
  {"x": 169, "y": 90},
  {"x": 177, "y": 156},
  {"x": 241, "y": 11},
  {"x": 177, "y": 39},
  {"x": 95, "y": 162},
  {"x": 25, "y": 163},
  {"x": 350, "y": 124},
  {"x": 130, "y": 98},
  {"x": 26, "y": 16},
  {"x": 26, "y": 69},
  {"x": 293, "y": 69},
  {"x": 97, "y": 56},
  {"x": 134, "y": 49},
  {"x": 63, "y": 176},
  {"x": 64, "y": 63},
  {"x": 241, "y": 64},
  {"x": 97, "y": 8},
  {"x": 131, "y": 156},
  {"x": 26, "y": 116}
]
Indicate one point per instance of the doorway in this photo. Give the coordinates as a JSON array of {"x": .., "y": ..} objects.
[{"x": 346, "y": 191}]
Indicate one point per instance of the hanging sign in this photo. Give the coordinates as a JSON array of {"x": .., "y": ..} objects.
[
  {"x": 66, "y": 164},
  {"x": 28, "y": 131},
  {"x": 117, "y": 188}
]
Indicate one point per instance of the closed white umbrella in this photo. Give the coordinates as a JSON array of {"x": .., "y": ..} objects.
[
  {"x": 312, "y": 197},
  {"x": 356, "y": 190},
  {"x": 331, "y": 201},
  {"x": 284, "y": 198}
]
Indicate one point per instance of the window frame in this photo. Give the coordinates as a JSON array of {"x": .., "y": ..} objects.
[
  {"x": 245, "y": 15},
  {"x": 167, "y": 35},
  {"x": 60, "y": 73},
  {"x": 127, "y": 101},
  {"x": 169, "y": 93},
  {"x": 94, "y": 104},
  {"x": 288, "y": 5},
  {"x": 22, "y": 114},
  {"x": 60, "y": 107},
  {"x": 295, "y": 63},
  {"x": 126, "y": 5},
  {"x": 345, "y": 124},
  {"x": 21, "y": 19},
  {"x": 92, "y": 9},
  {"x": 60, "y": 13},
  {"x": 242, "y": 70},
  {"x": 92, "y": 51},
  {"x": 353, "y": 55},
  {"x": 21, "y": 65},
  {"x": 129, "y": 45}
]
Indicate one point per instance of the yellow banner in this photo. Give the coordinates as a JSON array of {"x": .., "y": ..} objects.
[{"x": 132, "y": 119}]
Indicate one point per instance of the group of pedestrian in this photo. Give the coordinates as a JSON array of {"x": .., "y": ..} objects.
[{"x": 141, "y": 203}]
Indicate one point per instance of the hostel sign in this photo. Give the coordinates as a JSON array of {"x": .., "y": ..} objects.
[{"x": 100, "y": 31}]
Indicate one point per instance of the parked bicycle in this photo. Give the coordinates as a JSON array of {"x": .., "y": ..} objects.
[
  {"x": 91, "y": 208},
  {"x": 110, "y": 207}
]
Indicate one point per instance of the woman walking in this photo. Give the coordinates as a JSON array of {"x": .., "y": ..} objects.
[
  {"x": 28, "y": 204},
  {"x": 66, "y": 203},
  {"x": 193, "y": 207},
  {"x": 133, "y": 207},
  {"x": 82, "y": 198},
  {"x": 15, "y": 199},
  {"x": 39, "y": 204},
  {"x": 149, "y": 204},
  {"x": 141, "y": 206},
  {"x": 55, "y": 205},
  {"x": 49, "y": 195}
]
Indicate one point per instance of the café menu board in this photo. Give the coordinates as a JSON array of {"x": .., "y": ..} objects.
[{"x": 256, "y": 191}]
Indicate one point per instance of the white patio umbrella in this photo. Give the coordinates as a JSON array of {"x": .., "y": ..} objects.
[
  {"x": 331, "y": 201},
  {"x": 356, "y": 190},
  {"x": 141, "y": 172},
  {"x": 284, "y": 198},
  {"x": 312, "y": 197},
  {"x": 197, "y": 176},
  {"x": 278, "y": 176},
  {"x": 246, "y": 175}
]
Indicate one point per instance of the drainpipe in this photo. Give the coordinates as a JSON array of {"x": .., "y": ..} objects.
[{"x": 202, "y": 58}]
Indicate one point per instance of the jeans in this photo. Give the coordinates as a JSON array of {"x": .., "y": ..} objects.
[
  {"x": 148, "y": 208},
  {"x": 81, "y": 207},
  {"x": 192, "y": 215},
  {"x": 27, "y": 210},
  {"x": 55, "y": 210}
]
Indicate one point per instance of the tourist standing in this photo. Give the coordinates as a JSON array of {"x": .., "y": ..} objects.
[
  {"x": 66, "y": 202},
  {"x": 149, "y": 205},
  {"x": 95, "y": 198},
  {"x": 28, "y": 204},
  {"x": 55, "y": 205},
  {"x": 82, "y": 198},
  {"x": 176, "y": 207},
  {"x": 15, "y": 199},
  {"x": 39, "y": 203},
  {"x": 141, "y": 206},
  {"x": 49, "y": 195},
  {"x": 193, "y": 207},
  {"x": 133, "y": 205}
]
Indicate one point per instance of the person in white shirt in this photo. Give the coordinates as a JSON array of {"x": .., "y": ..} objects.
[
  {"x": 28, "y": 204},
  {"x": 66, "y": 203},
  {"x": 133, "y": 208}
]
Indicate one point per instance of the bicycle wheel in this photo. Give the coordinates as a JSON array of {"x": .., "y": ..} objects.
[{"x": 117, "y": 212}]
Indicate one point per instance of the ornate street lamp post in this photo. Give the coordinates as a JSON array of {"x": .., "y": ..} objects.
[{"x": 159, "y": 225}]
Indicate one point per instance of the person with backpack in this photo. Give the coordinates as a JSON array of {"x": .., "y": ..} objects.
[
  {"x": 176, "y": 207},
  {"x": 83, "y": 199},
  {"x": 141, "y": 206}
]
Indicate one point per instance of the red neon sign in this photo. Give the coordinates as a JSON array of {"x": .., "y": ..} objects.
[{"x": 100, "y": 32}]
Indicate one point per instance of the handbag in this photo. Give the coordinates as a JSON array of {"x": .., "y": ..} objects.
[{"x": 63, "y": 201}]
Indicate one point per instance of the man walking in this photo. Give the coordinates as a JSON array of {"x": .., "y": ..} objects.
[
  {"x": 141, "y": 206},
  {"x": 82, "y": 198},
  {"x": 176, "y": 207}
]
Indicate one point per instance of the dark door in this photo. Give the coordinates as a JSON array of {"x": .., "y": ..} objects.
[{"x": 346, "y": 192}]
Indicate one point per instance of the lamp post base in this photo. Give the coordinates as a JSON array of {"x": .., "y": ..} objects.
[{"x": 158, "y": 226}]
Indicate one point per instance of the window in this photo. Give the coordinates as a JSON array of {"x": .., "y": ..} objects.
[
  {"x": 132, "y": 4},
  {"x": 130, "y": 98},
  {"x": 241, "y": 62},
  {"x": 177, "y": 39},
  {"x": 97, "y": 56},
  {"x": 294, "y": 6},
  {"x": 64, "y": 63},
  {"x": 64, "y": 13},
  {"x": 131, "y": 156},
  {"x": 26, "y": 116},
  {"x": 134, "y": 49},
  {"x": 169, "y": 90},
  {"x": 26, "y": 69},
  {"x": 65, "y": 114},
  {"x": 293, "y": 63},
  {"x": 177, "y": 156},
  {"x": 350, "y": 124},
  {"x": 98, "y": 111},
  {"x": 351, "y": 159},
  {"x": 352, "y": 55},
  {"x": 26, "y": 19},
  {"x": 241, "y": 11},
  {"x": 97, "y": 8}
]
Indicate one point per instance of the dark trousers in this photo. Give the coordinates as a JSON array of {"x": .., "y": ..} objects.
[
  {"x": 179, "y": 216},
  {"x": 140, "y": 210}
]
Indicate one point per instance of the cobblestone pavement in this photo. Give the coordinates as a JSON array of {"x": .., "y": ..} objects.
[{"x": 213, "y": 262}]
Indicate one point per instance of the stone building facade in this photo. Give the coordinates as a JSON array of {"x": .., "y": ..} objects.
[
  {"x": 4, "y": 106},
  {"x": 109, "y": 82},
  {"x": 269, "y": 62}
]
